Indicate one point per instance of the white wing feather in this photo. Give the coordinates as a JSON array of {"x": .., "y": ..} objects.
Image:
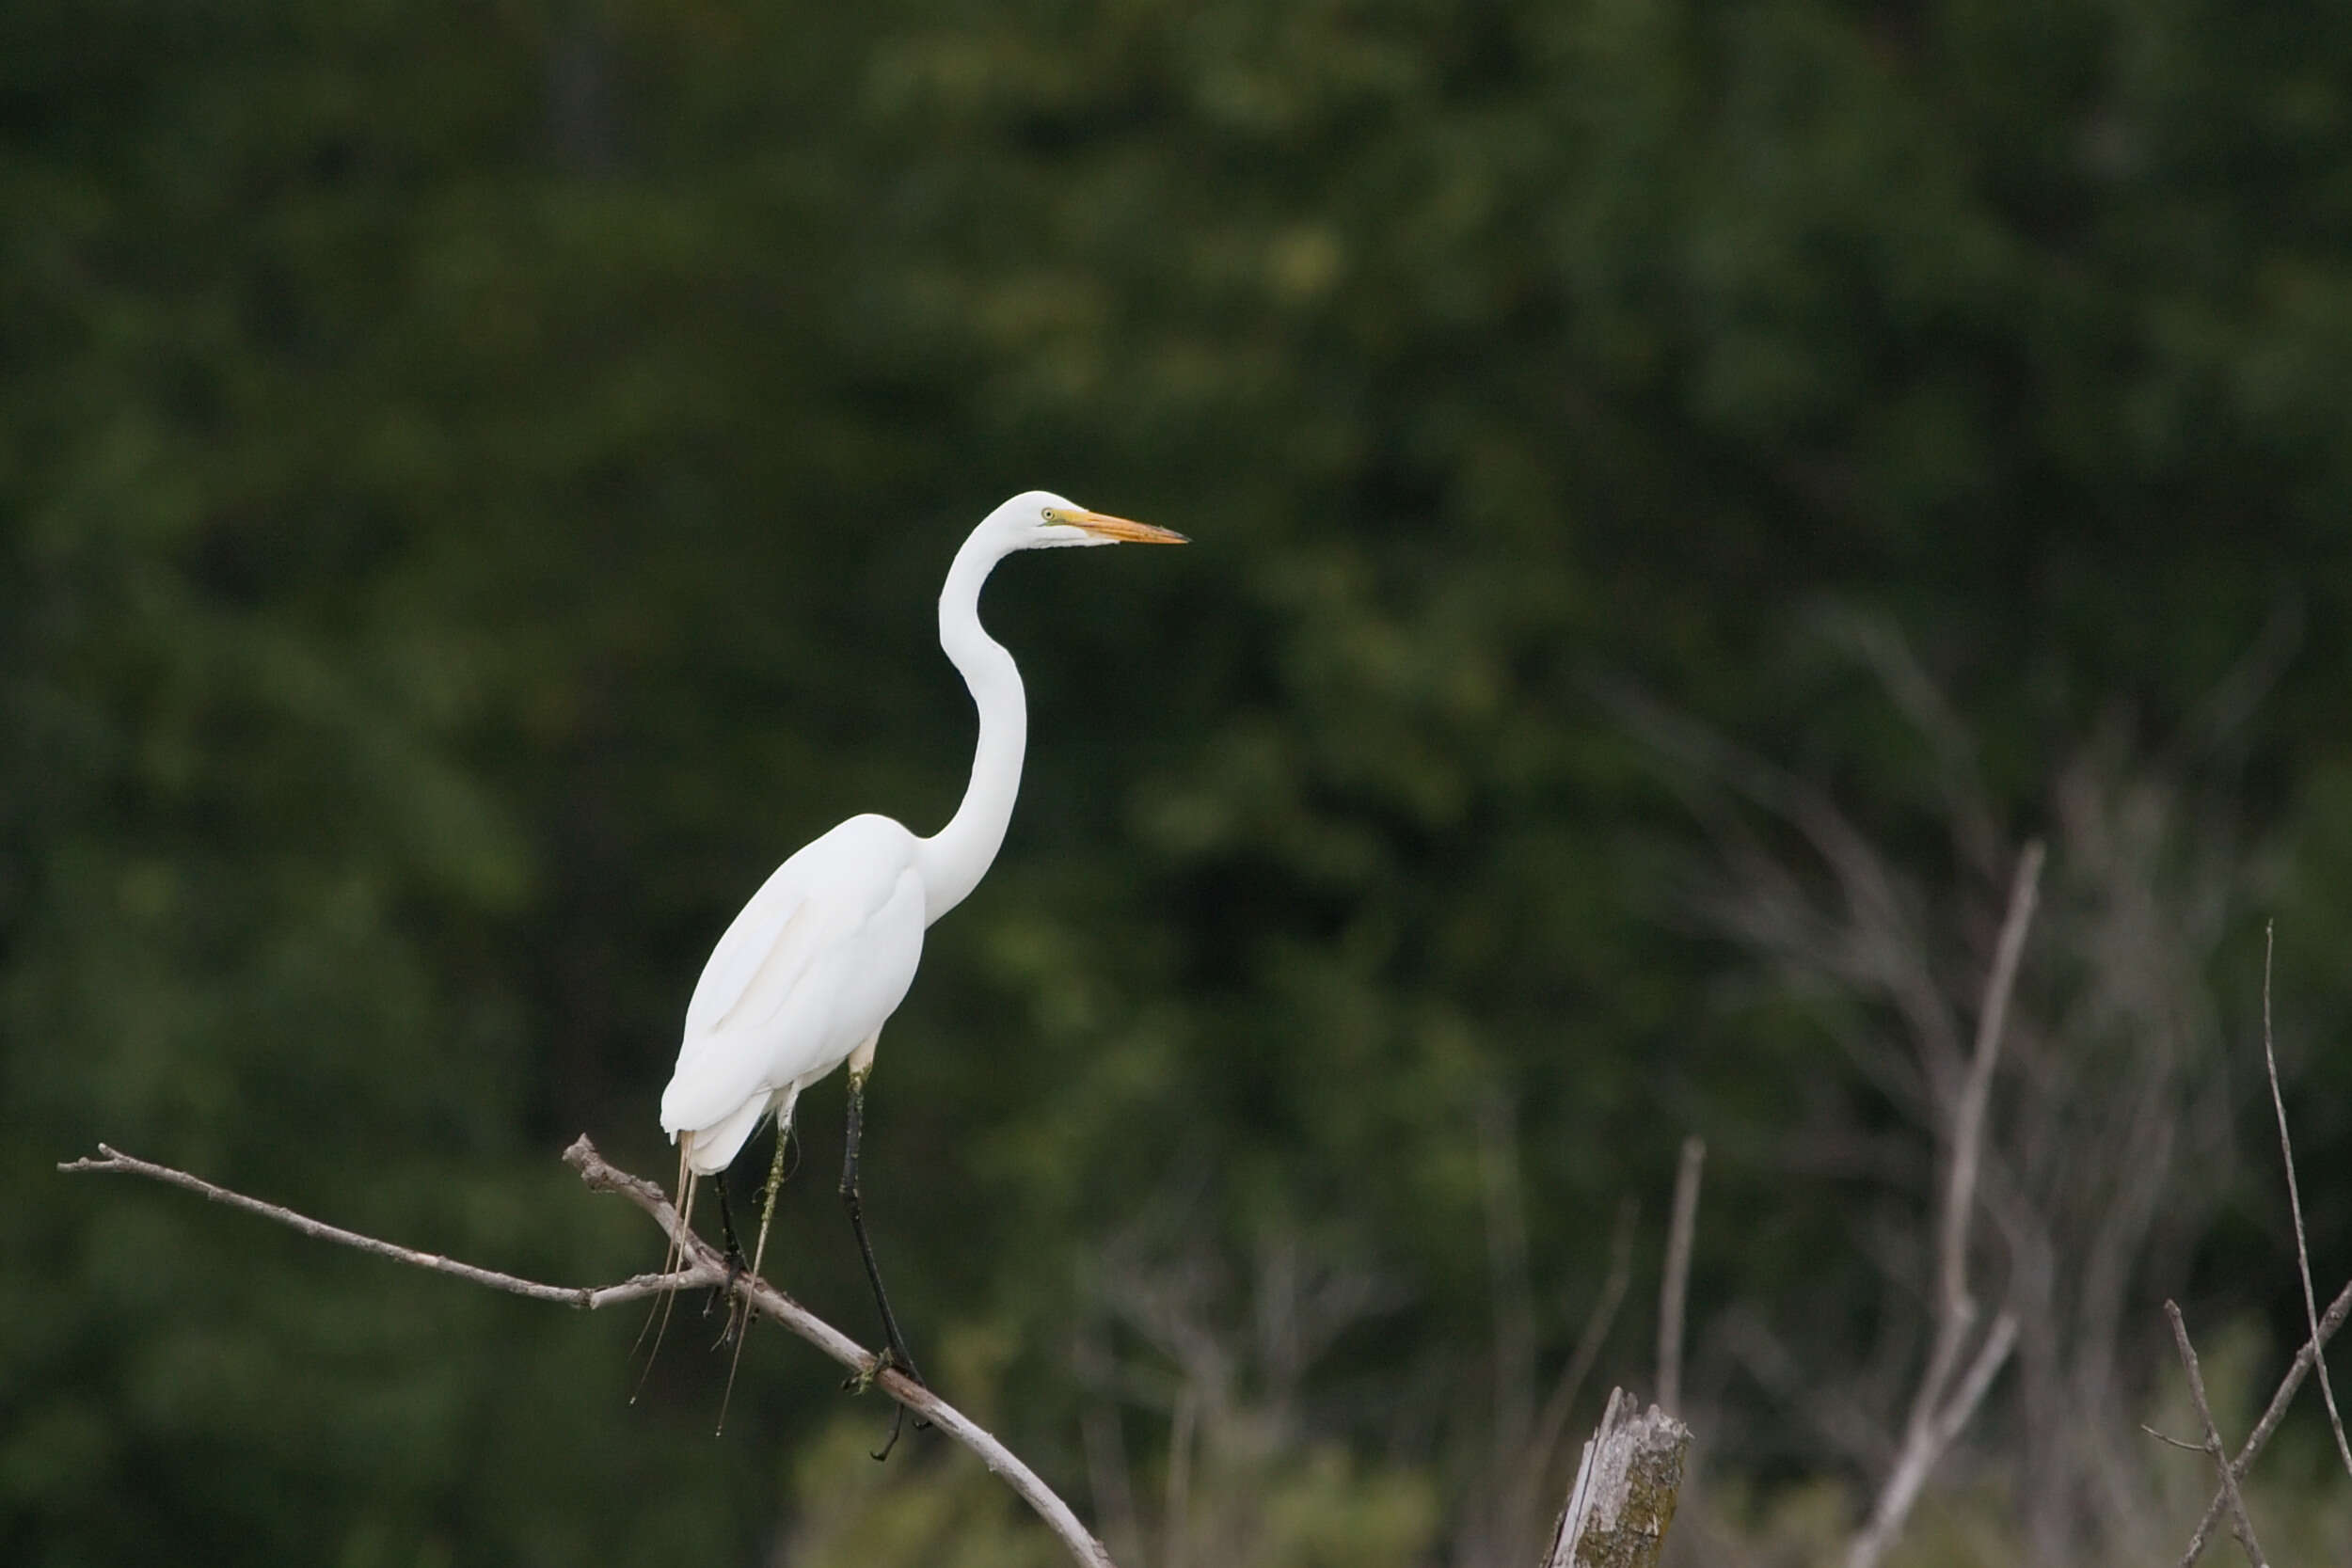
[{"x": 817, "y": 950}]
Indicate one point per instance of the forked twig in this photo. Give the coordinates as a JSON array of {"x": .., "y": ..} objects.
[
  {"x": 705, "y": 1266},
  {"x": 1941, "y": 1408},
  {"x": 2240, "y": 1520},
  {"x": 2329, "y": 1322}
]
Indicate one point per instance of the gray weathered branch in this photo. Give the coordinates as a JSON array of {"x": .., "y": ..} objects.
[
  {"x": 2242, "y": 1521},
  {"x": 112, "y": 1161},
  {"x": 1675, "y": 1289},
  {"x": 706, "y": 1265},
  {"x": 2295, "y": 1204},
  {"x": 1939, "y": 1409},
  {"x": 2329, "y": 1322}
]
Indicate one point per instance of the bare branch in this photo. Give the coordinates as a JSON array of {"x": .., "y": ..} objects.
[
  {"x": 1981, "y": 1371},
  {"x": 706, "y": 1266},
  {"x": 114, "y": 1162},
  {"x": 1936, "y": 1421},
  {"x": 2244, "y": 1525},
  {"x": 2294, "y": 1202},
  {"x": 2329, "y": 1322},
  {"x": 1677, "y": 1281},
  {"x": 1925, "y": 1443},
  {"x": 1589, "y": 1339},
  {"x": 1968, "y": 1152},
  {"x": 1532, "y": 1473}
]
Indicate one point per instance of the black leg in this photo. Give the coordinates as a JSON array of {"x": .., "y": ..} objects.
[
  {"x": 895, "y": 1352},
  {"x": 735, "y": 1256}
]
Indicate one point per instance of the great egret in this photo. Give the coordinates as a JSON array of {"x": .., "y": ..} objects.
[{"x": 820, "y": 958}]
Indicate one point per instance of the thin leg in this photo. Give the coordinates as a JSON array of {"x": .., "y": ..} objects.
[
  {"x": 727, "y": 1219},
  {"x": 895, "y": 1352},
  {"x": 741, "y": 1326},
  {"x": 775, "y": 1179},
  {"x": 735, "y": 1256}
]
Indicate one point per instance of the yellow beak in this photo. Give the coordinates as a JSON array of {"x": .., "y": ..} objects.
[{"x": 1104, "y": 526}]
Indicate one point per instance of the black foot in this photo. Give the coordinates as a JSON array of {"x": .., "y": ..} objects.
[
  {"x": 737, "y": 1314},
  {"x": 887, "y": 1362},
  {"x": 897, "y": 1420},
  {"x": 858, "y": 1382},
  {"x": 737, "y": 1268}
]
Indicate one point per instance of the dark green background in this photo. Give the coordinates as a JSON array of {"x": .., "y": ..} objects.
[{"x": 473, "y": 482}]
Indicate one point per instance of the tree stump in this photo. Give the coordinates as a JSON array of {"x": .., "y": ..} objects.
[{"x": 1624, "y": 1493}]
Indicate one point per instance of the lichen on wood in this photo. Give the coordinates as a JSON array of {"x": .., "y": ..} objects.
[{"x": 1626, "y": 1490}]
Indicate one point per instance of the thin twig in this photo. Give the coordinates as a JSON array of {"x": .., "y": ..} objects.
[
  {"x": 706, "y": 1266},
  {"x": 2168, "y": 1438},
  {"x": 2244, "y": 1525},
  {"x": 2294, "y": 1202},
  {"x": 2329, "y": 1322},
  {"x": 1532, "y": 1473},
  {"x": 1677, "y": 1281},
  {"x": 1603, "y": 1316}
]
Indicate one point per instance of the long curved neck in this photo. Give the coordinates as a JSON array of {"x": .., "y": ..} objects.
[{"x": 953, "y": 860}]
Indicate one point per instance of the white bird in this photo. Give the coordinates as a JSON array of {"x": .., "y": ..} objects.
[{"x": 809, "y": 972}]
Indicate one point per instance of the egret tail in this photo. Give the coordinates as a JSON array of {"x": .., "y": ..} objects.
[{"x": 671, "y": 1258}]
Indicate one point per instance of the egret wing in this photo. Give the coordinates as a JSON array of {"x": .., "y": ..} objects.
[
  {"x": 770, "y": 936},
  {"x": 823, "y": 898}
]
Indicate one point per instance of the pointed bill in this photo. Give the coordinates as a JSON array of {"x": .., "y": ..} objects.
[{"x": 1103, "y": 525}]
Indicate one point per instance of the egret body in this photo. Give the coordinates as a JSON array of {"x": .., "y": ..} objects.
[{"x": 807, "y": 975}]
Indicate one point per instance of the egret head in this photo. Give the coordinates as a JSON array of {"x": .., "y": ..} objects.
[{"x": 1039, "y": 519}]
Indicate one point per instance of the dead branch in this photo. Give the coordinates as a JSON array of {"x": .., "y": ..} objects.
[
  {"x": 2239, "y": 1520},
  {"x": 2294, "y": 1203},
  {"x": 1676, "y": 1285},
  {"x": 1597, "y": 1322},
  {"x": 706, "y": 1266},
  {"x": 1936, "y": 1420},
  {"x": 588, "y": 1297},
  {"x": 2329, "y": 1322}
]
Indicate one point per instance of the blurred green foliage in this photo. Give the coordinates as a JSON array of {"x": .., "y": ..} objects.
[{"x": 473, "y": 480}]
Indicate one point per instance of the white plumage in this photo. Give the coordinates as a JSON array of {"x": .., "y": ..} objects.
[{"x": 810, "y": 970}]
